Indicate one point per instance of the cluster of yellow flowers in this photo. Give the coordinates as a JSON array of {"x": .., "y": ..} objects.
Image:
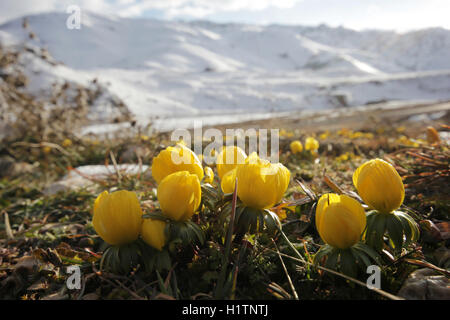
[
  {"x": 311, "y": 145},
  {"x": 261, "y": 184},
  {"x": 347, "y": 156},
  {"x": 118, "y": 216},
  {"x": 407, "y": 141},
  {"x": 178, "y": 171},
  {"x": 347, "y": 133},
  {"x": 341, "y": 220},
  {"x": 286, "y": 134}
]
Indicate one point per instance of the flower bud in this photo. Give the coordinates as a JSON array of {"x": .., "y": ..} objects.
[
  {"x": 117, "y": 217},
  {"x": 311, "y": 144},
  {"x": 261, "y": 184},
  {"x": 379, "y": 185},
  {"x": 340, "y": 220},
  {"x": 296, "y": 146},
  {"x": 173, "y": 159},
  {"x": 179, "y": 195},
  {"x": 432, "y": 135}
]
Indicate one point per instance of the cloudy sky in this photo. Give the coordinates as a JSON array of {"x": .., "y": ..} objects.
[{"x": 401, "y": 15}]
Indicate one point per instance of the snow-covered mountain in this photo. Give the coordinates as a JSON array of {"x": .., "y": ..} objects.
[{"x": 179, "y": 69}]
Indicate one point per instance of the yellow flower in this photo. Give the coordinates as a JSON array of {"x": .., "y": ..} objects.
[
  {"x": 379, "y": 185},
  {"x": 356, "y": 135},
  {"x": 344, "y": 132},
  {"x": 228, "y": 181},
  {"x": 311, "y": 144},
  {"x": 324, "y": 135},
  {"x": 432, "y": 135},
  {"x": 343, "y": 157},
  {"x": 47, "y": 149},
  {"x": 144, "y": 137},
  {"x": 401, "y": 129},
  {"x": 117, "y": 217},
  {"x": 173, "y": 159},
  {"x": 261, "y": 184},
  {"x": 407, "y": 141},
  {"x": 209, "y": 175},
  {"x": 296, "y": 146},
  {"x": 340, "y": 220},
  {"x": 152, "y": 233},
  {"x": 179, "y": 195},
  {"x": 66, "y": 143},
  {"x": 229, "y": 158}
]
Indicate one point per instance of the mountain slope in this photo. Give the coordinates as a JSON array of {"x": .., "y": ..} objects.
[{"x": 199, "y": 68}]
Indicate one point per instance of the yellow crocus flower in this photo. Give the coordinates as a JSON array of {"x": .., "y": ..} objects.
[
  {"x": 117, "y": 217},
  {"x": 229, "y": 158},
  {"x": 379, "y": 185},
  {"x": 296, "y": 146},
  {"x": 179, "y": 195},
  {"x": 66, "y": 143},
  {"x": 152, "y": 233},
  {"x": 261, "y": 184},
  {"x": 340, "y": 220},
  {"x": 173, "y": 159},
  {"x": 311, "y": 144},
  {"x": 433, "y": 135}
]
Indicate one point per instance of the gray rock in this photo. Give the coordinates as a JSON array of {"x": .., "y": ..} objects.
[
  {"x": 426, "y": 284},
  {"x": 11, "y": 168},
  {"x": 86, "y": 176}
]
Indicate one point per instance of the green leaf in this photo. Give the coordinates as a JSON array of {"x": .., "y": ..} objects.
[
  {"x": 360, "y": 257},
  {"x": 332, "y": 259},
  {"x": 375, "y": 230},
  {"x": 348, "y": 263},
  {"x": 365, "y": 249},
  {"x": 395, "y": 230},
  {"x": 409, "y": 225},
  {"x": 323, "y": 251}
]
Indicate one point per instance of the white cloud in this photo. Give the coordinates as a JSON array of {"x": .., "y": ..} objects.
[
  {"x": 201, "y": 8},
  {"x": 399, "y": 15},
  {"x": 10, "y": 9}
]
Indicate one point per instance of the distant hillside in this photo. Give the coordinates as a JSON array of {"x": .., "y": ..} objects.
[{"x": 198, "y": 68}]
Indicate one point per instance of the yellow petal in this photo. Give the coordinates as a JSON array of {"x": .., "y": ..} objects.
[
  {"x": 229, "y": 158},
  {"x": 209, "y": 175},
  {"x": 173, "y": 159},
  {"x": 228, "y": 181},
  {"x": 261, "y": 184},
  {"x": 179, "y": 195},
  {"x": 152, "y": 233}
]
